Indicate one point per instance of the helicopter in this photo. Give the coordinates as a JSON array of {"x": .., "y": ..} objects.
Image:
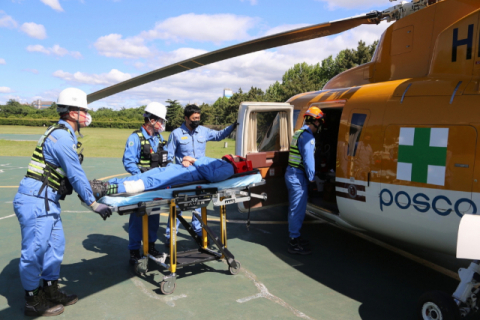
[{"x": 396, "y": 155}]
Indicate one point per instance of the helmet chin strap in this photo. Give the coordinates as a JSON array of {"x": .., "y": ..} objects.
[
  {"x": 316, "y": 127},
  {"x": 78, "y": 124}
]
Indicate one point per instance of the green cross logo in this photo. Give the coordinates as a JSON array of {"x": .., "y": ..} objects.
[{"x": 422, "y": 155}]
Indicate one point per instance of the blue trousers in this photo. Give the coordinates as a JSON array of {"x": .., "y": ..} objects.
[
  {"x": 43, "y": 241},
  {"x": 297, "y": 186},
  {"x": 135, "y": 228},
  {"x": 196, "y": 226}
]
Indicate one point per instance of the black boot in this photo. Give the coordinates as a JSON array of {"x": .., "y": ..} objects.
[
  {"x": 151, "y": 250},
  {"x": 36, "y": 305},
  {"x": 53, "y": 294},
  {"x": 295, "y": 246},
  {"x": 99, "y": 188},
  {"x": 134, "y": 256}
]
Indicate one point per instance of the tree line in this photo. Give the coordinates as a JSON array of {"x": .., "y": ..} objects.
[{"x": 302, "y": 77}]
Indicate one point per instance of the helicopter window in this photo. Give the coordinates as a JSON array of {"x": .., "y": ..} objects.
[
  {"x": 296, "y": 113},
  {"x": 356, "y": 126},
  {"x": 269, "y": 128}
]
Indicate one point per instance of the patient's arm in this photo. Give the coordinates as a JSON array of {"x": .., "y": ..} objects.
[{"x": 188, "y": 161}]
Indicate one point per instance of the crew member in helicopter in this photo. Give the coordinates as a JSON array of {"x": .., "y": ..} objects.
[{"x": 301, "y": 170}]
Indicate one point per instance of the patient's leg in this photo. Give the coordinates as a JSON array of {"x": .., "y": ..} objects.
[{"x": 154, "y": 179}]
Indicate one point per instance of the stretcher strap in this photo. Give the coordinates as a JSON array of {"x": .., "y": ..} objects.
[{"x": 236, "y": 175}]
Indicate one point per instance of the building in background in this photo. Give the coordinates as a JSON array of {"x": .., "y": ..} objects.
[
  {"x": 39, "y": 104},
  {"x": 227, "y": 92}
]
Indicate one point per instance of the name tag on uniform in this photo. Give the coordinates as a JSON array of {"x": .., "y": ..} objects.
[{"x": 184, "y": 138}]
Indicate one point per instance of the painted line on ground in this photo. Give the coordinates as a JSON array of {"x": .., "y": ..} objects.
[
  {"x": 12, "y": 215},
  {"x": 264, "y": 293},
  {"x": 169, "y": 300},
  {"x": 116, "y": 175},
  {"x": 403, "y": 253}
]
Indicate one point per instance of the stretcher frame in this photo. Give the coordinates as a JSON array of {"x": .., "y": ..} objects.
[{"x": 185, "y": 200}]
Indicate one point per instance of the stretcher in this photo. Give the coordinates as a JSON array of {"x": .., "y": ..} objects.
[{"x": 189, "y": 196}]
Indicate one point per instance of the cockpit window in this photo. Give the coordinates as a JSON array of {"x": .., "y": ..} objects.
[{"x": 356, "y": 126}]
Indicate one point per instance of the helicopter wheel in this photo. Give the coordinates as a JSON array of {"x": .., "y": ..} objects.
[{"x": 437, "y": 305}]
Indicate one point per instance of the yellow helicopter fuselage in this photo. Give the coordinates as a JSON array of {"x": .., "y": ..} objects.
[{"x": 406, "y": 164}]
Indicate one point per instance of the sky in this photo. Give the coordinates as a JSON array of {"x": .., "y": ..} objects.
[{"x": 49, "y": 45}]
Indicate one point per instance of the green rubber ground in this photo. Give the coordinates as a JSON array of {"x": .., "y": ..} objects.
[{"x": 345, "y": 278}]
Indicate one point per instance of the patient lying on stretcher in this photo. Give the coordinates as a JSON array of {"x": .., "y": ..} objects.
[{"x": 190, "y": 170}]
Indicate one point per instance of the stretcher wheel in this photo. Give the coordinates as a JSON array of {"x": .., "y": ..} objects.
[
  {"x": 236, "y": 269},
  {"x": 167, "y": 287}
]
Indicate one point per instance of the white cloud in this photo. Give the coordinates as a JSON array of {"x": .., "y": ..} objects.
[
  {"x": 215, "y": 28},
  {"x": 54, "y": 4},
  {"x": 252, "y": 2},
  {"x": 113, "y": 77},
  {"x": 34, "y": 30},
  {"x": 2, "y": 61},
  {"x": 5, "y": 90},
  {"x": 259, "y": 69},
  {"x": 35, "y": 71},
  {"x": 284, "y": 28},
  {"x": 55, "y": 50},
  {"x": 202, "y": 27},
  {"x": 349, "y": 4},
  {"x": 37, "y": 48},
  {"x": 114, "y": 46},
  {"x": 7, "y": 21}
]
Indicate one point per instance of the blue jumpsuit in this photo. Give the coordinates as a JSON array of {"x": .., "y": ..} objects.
[
  {"x": 131, "y": 159},
  {"x": 297, "y": 182},
  {"x": 183, "y": 142},
  {"x": 43, "y": 241},
  {"x": 205, "y": 168}
]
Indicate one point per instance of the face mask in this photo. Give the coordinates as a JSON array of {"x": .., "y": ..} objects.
[
  {"x": 88, "y": 120},
  {"x": 162, "y": 128},
  {"x": 195, "y": 124}
]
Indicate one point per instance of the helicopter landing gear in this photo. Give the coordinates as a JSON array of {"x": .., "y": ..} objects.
[{"x": 436, "y": 305}]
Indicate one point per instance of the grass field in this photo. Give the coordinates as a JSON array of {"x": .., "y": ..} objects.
[{"x": 98, "y": 142}]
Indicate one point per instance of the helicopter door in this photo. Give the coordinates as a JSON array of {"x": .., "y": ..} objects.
[
  {"x": 263, "y": 136},
  {"x": 429, "y": 169}
]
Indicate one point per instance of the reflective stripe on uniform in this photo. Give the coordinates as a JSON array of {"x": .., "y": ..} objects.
[
  {"x": 37, "y": 166},
  {"x": 144, "y": 162},
  {"x": 294, "y": 157}
]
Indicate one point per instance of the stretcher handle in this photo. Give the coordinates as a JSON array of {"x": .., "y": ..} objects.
[{"x": 198, "y": 191}]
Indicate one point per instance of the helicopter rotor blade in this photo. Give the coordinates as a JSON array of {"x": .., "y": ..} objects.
[{"x": 268, "y": 42}]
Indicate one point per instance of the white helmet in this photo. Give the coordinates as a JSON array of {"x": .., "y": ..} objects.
[
  {"x": 71, "y": 97},
  {"x": 157, "y": 109}
]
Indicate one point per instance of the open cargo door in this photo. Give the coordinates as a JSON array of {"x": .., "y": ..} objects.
[{"x": 263, "y": 136}]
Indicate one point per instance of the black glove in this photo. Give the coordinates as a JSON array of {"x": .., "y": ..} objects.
[
  {"x": 103, "y": 210},
  {"x": 144, "y": 169},
  {"x": 235, "y": 124}
]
